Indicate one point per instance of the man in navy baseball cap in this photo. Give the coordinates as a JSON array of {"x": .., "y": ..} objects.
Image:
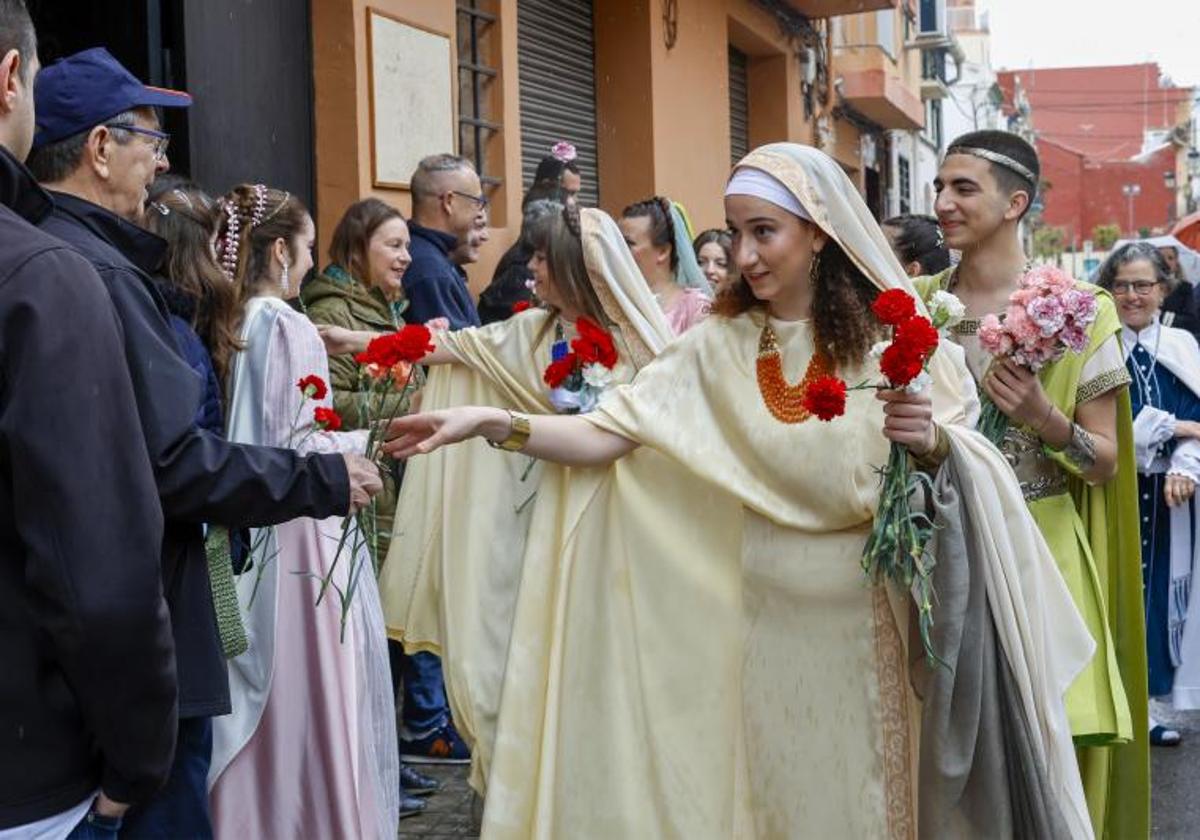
[
  {"x": 85, "y": 89},
  {"x": 98, "y": 128}
]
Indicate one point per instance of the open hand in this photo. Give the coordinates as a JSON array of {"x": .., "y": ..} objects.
[
  {"x": 1178, "y": 489},
  {"x": 1017, "y": 392},
  {"x": 420, "y": 434},
  {"x": 908, "y": 420}
]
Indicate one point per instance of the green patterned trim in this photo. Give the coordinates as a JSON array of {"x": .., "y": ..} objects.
[
  {"x": 224, "y": 595},
  {"x": 1102, "y": 384}
]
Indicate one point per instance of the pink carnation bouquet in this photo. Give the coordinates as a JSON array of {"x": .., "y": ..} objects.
[{"x": 1047, "y": 316}]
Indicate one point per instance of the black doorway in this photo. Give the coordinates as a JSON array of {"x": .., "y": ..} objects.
[{"x": 248, "y": 66}]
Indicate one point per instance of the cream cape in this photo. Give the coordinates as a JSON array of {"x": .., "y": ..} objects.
[
  {"x": 809, "y": 496},
  {"x": 453, "y": 572}
]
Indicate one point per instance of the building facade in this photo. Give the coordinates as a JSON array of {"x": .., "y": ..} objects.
[
  {"x": 326, "y": 99},
  {"x": 1114, "y": 143}
]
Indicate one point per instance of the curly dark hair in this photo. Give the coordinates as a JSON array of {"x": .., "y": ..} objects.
[{"x": 843, "y": 325}]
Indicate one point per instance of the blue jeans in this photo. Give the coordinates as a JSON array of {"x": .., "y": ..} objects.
[
  {"x": 180, "y": 810},
  {"x": 425, "y": 706},
  {"x": 95, "y": 827}
]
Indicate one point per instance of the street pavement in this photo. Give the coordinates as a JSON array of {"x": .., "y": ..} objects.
[
  {"x": 1175, "y": 771},
  {"x": 1175, "y": 776},
  {"x": 448, "y": 812}
]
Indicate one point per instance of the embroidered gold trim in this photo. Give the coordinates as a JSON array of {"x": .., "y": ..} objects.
[
  {"x": 1102, "y": 384},
  {"x": 893, "y": 716}
]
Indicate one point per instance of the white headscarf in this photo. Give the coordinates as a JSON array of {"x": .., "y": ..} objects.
[{"x": 1041, "y": 633}]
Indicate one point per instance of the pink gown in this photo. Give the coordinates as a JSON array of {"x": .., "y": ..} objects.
[
  {"x": 310, "y": 749},
  {"x": 690, "y": 309}
]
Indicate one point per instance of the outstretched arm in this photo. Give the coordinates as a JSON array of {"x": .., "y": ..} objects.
[
  {"x": 568, "y": 440},
  {"x": 340, "y": 341}
]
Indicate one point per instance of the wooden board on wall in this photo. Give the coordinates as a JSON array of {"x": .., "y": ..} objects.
[{"x": 412, "y": 101}]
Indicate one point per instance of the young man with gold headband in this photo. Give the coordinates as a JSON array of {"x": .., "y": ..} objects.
[
  {"x": 1070, "y": 441},
  {"x": 816, "y": 729}
]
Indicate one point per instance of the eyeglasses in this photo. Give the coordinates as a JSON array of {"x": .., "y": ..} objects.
[
  {"x": 1140, "y": 287},
  {"x": 481, "y": 201},
  {"x": 161, "y": 138}
]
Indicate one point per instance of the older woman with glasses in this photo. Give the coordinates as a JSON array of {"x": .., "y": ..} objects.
[{"x": 1165, "y": 365}]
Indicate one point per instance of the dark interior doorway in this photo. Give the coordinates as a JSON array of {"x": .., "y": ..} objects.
[
  {"x": 145, "y": 35},
  {"x": 248, "y": 66}
]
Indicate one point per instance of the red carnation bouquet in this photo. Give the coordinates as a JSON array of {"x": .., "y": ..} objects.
[
  {"x": 387, "y": 367},
  {"x": 578, "y": 374},
  {"x": 311, "y": 387},
  {"x": 896, "y": 548}
]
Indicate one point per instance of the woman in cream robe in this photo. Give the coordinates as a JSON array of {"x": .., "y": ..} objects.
[
  {"x": 816, "y": 730},
  {"x": 455, "y": 568}
]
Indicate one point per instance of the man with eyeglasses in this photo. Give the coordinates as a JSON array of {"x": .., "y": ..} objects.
[
  {"x": 448, "y": 208},
  {"x": 97, "y": 149}
]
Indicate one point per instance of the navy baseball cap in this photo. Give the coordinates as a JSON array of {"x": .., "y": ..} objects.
[{"x": 83, "y": 90}]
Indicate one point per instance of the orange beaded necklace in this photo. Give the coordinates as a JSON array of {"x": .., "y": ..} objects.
[{"x": 784, "y": 401}]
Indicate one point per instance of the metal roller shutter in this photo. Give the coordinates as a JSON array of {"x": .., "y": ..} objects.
[
  {"x": 556, "y": 65},
  {"x": 739, "y": 106}
]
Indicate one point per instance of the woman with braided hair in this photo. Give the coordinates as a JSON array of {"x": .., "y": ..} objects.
[
  {"x": 658, "y": 233},
  {"x": 310, "y": 749}
]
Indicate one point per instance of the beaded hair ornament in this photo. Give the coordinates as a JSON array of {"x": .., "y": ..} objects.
[{"x": 227, "y": 248}]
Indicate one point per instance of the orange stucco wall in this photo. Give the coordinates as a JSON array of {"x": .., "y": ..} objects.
[
  {"x": 343, "y": 116},
  {"x": 662, "y": 113}
]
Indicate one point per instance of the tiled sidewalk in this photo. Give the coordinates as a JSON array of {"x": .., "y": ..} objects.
[{"x": 448, "y": 813}]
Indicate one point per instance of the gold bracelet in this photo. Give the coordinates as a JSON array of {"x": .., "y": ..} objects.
[
  {"x": 518, "y": 433},
  {"x": 931, "y": 460}
]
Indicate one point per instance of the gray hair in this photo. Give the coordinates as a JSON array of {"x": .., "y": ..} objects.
[
  {"x": 1132, "y": 252},
  {"x": 424, "y": 179},
  {"x": 58, "y": 160}
]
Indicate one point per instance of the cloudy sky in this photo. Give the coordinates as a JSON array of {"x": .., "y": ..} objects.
[{"x": 1073, "y": 33}]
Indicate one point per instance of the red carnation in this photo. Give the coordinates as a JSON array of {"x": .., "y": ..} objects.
[
  {"x": 558, "y": 371},
  {"x": 410, "y": 344},
  {"x": 917, "y": 335},
  {"x": 825, "y": 397},
  {"x": 313, "y": 387},
  {"x": 895, "y": 306},
  {"x": 520, "y": 306},
  {"x": 594, "y": 344},
  {"x": 327, "y": 419},
  {"x": 900, "y": 366}
]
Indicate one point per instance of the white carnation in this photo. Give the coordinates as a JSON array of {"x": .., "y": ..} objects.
[
  {"x": 878, "y": 348},
  {"x": 946, "y": 309},
  {"x": 597, "y": 375},
  {"x": 922, "y": 381}
]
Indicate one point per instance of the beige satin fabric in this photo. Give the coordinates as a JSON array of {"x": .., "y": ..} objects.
[
  {"x": 698, "y": 404},
  {"x": 452, "y": 575}
]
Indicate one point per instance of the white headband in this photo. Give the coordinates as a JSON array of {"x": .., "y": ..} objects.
[{"x": 747, "y": 180}]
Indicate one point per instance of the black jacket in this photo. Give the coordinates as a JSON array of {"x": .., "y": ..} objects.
[
  {"x": 201, "y": 477},
  {"x": 435, "y": 286},
  {"x": 87, "y": 665}
]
